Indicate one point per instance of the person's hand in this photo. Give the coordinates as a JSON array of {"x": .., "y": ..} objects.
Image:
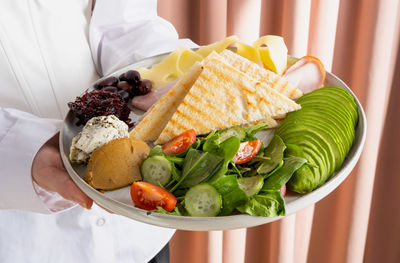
[{"x": 49, "y": 173}]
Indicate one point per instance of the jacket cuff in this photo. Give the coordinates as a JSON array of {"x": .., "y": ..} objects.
[
  {"x": 22, "y": 136},
  {"x": 52, "y": 200}
]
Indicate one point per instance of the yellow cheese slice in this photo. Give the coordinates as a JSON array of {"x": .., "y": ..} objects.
[
  {"x": 249, "y": 52},
  {"x": 204, "y": 51},
  {"x": 170, "y": 68},
  {"x": 273, "y": 52}
]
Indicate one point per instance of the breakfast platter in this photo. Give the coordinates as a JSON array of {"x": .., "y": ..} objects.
[{"x": 120, "y": 200}]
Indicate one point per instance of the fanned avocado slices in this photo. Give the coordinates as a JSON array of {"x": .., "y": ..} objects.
[{"x": 324, "y": 130}]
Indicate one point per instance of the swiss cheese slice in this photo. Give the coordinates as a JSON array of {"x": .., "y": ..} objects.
[
  {"x": 222, "y": 97},
  {"x": 171, "y": 67}
]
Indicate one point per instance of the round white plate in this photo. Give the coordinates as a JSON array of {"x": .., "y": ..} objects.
[{"x": 120, "y": 203}]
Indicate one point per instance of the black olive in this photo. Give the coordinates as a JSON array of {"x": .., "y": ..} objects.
[
  {"x": 145, "y": 87},
  {"x": 110, "y": 81},
  {"x": 110, "y": 89},
  {"x": 132, "y": 76},
  {"x": 124, "y": 85}
]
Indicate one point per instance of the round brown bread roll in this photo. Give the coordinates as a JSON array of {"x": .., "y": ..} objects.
[{"x": 116, "y": 164}]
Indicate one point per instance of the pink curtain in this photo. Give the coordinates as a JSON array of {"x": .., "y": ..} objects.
[{"x": 359, "y": 42}]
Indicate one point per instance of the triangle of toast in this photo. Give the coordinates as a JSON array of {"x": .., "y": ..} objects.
[
  {"x": 222, "y": 97},
  {"x": 155, "y": 119},
  {"x": 261, "y": 74}
]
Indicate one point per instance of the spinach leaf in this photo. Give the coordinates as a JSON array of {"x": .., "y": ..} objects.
[
  {"x": 293, "y": 150},
  {"x": 251, "y": 185},
  {"x": 228, "y": 133},
  {"x": 196, "y": 144},
  {"x": 268, "y": 203},
  {"x": 174, "y": 159},
  {"x": 156, "y": 150},
  {"x": 232, "y": 195},
  {"x": 283, "y": 175},
  {"x": 274, "y": 151},
  {"x": 198, "y": 166},
  {"x": 161, "y": 210},
  {"x": 176, "y": 173},
  {"x": 252, "y": 130},
  {"x": 275, "y": 169},
  {"x": 226, "y": 150},
  {"x": 211, "y": 143}
]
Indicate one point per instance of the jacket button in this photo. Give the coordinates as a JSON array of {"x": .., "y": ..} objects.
[{"x": 100, "y": 221}]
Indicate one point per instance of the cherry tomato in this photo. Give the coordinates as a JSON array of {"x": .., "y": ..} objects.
[
  {"x": 148, "y": 196},
  {"x": 180, "y": 143},
  {"x": 283, "y": 190},
  {"x": 247, "y": 151}
]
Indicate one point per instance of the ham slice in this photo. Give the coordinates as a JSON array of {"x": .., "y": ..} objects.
[
  {"x": 307, "y": 74},
  {"x": 146, "y": 101}
]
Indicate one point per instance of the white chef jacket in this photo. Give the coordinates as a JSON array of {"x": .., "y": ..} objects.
[{"x": 45, "y": 62}]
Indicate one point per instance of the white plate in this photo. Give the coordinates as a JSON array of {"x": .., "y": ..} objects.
[{"x": 119, "y": 201}]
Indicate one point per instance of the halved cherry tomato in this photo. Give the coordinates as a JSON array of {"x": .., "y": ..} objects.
[
  {"x": 283, "y": 190},
  {"x": 247, "y": 151},
  {"x": 148, "y": 196},
  {"x": 180, "y": 143}
]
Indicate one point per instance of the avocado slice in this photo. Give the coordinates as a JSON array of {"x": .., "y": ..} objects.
[
  {"x": 341, "y": 97},
  {"x": 323, "y": 131},
  {"x": 308, "y": 123},
  {"x": 318, "y": 145},
  {"x": 344, "y": 128}
]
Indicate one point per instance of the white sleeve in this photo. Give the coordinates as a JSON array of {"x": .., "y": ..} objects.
[
  {"x": 124, "y": 31},
  {"x": 21, "y": 136}
]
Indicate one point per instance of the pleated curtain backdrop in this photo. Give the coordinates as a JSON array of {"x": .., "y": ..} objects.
[{"x": 357, "y": 40}]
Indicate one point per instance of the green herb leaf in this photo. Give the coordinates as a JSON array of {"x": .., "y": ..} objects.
[
  {"x": 283, "y": 175},
  {"x": 175, "y": 159},
  {"x": 274, "y": 151},
  {"x": 156, "y": 150},
  {"x": 232, "y": 195},
  {"x": 268, "y": 203},
  {"x": 252, "y": 130},
  {"x": 198, "y": 167},
  {"x": 226, "y": 150},
  {"x": 160, "y": 210}
]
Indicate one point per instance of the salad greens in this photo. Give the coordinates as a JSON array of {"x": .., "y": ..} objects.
[
  {"x": 232, "y": 195},
  {"x": 207, "y": 182},
  {"x": 268, "y": 203},
  {"x": 275, "y": 151},
  {"x": 281, "y": 177},
  {"x": 198, "y": 167}
]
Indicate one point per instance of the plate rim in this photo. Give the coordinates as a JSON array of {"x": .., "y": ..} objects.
[{"x": 200, "y": 223}]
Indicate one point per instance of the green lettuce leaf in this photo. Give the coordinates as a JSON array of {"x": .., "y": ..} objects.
[
  {"x": 268, "y": 203},
  {"x": 232, "y": 195}
]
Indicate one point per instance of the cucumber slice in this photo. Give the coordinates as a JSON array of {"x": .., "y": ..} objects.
[
  {"x": 203, "y": 200},
  {"x": 251, "y": 185},
  {"x": 156, "y": 170}
]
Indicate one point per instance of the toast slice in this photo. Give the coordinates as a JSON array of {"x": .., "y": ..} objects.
[
  {"x": 222, "y": 97},
  {"x": 261, "y": 74},
  {"x": 155, "y": 119}
]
